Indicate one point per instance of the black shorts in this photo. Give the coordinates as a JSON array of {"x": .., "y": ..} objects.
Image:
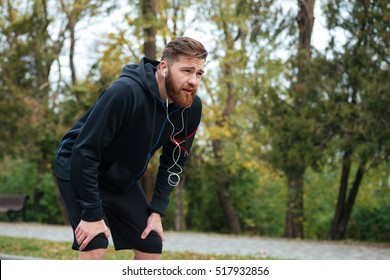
[{"x": 125, "y": 213}]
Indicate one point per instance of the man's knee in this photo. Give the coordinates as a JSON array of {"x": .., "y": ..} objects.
[
  {"x": 152, "y": 244},
  {"x": 100, "y": 241},
  {"x": 97, "y": 254},
  {"x": 96, "y": 248},
  {"x": 146, "y": 256}
]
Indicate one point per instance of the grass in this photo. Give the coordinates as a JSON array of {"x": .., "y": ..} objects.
[{"x": 55, "y": 250}]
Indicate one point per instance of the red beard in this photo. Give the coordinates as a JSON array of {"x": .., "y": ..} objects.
[{"x": 176, "y": 95}]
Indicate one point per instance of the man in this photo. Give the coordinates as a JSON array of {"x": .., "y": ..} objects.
[{"x": 100, "y": 160}]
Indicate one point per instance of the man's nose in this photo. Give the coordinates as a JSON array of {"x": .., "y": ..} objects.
[{"x": 193, "y": 79}]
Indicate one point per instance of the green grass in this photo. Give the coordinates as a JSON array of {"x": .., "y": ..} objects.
[{"x": 54, "y": 250}]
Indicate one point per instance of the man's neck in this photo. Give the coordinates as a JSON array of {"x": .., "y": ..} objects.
[{"x": 161, "y": 86}]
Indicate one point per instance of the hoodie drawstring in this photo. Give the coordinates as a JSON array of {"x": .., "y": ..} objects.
[{"x": 153, "y": 127}]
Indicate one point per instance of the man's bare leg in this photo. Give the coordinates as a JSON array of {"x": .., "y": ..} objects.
[
  {"x": 146, "y": 256},
  {"x": 97, "y": 254}
]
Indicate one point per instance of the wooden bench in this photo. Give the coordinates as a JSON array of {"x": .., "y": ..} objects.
[{"x": 13, "y": 204}]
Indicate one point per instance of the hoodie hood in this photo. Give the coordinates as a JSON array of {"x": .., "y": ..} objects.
[{"x": 144, "y": 74}]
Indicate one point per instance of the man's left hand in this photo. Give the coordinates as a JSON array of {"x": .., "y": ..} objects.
[{"x": 153, "y": 223}]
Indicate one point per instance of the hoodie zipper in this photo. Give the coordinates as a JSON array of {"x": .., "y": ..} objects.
[{"x": 151, "y": 147}]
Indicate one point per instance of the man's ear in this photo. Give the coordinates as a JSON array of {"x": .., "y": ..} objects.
[{"x": 163, "y": 68}]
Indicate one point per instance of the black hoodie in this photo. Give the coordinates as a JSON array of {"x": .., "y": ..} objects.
[{"x": 111, "y": 145}]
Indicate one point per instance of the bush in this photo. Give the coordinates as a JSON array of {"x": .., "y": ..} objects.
[
  {"x": 370, "y": 220},
  {"x": 18, "y": 176},
  {"x": 370, "y": 224},
  {"x": 320, "y": 199}
]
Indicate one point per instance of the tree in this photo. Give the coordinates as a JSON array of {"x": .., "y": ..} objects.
[
  {"x": 242, "y": 41},
  {"x": 152, "y": 17},
  {"x": 149, "y": 16},
  {"x": 361, "y": 96},
  {"x": 27, "y": 52},
  {"x": 295, "y": 172},
  {"x": 149, "y": 21},
  {"x": 285, "y": 113},
  {"x": 31, "y": 43},
  {"x": 76, "y": 11}
]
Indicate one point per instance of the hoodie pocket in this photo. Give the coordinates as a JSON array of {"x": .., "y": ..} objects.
[{"x": 117, "y": 177}]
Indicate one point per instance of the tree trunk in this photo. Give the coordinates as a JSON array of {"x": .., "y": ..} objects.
[
  {"x": 223, "y": 195},
  {"x": 305, "y": 19},
  {"x": 345, "y": 204},
  {"x": 227, "y": 68},
  {"x": 346, "y": 168},
  {"x": 294, "y": 214},
  {"x": 72, "y": 51},
  {"x": 149, "y": 16},
  {"x": 228, "y": 210}
]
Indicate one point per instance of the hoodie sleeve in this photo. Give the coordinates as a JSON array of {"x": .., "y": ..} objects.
[
  {"x": 105, "y": 120},
  {"x": 163, "y": 189}
]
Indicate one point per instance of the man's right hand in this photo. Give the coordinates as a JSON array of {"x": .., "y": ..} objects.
[{"x": 86, "y": 231}]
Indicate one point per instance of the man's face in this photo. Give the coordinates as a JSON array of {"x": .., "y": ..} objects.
[{"x": 182, "y": 80}]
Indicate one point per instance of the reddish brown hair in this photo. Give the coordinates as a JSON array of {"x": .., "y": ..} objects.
[{"x": 184, "y": 46}]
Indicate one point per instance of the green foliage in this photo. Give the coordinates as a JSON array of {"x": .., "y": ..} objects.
[
  {"x": 203, "y": 212},
  {"x": 258, "y": 199},
  {"x": 361, "y": 123},
  {"x": 18, "y": 176},
  {"x": 320, "y": 199},
  {"x": 46, "y": 209},
  {"x": 370, "y": 224},
  {"x": 370, "y": 219}
]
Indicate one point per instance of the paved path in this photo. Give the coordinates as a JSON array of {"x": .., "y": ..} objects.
[{"x": 223, "y": 244}]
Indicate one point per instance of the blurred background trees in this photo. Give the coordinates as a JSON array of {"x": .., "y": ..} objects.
[{"x": 294, "y": 134}]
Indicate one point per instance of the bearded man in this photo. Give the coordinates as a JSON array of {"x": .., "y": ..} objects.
[{"x": 98, "y": 163}]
